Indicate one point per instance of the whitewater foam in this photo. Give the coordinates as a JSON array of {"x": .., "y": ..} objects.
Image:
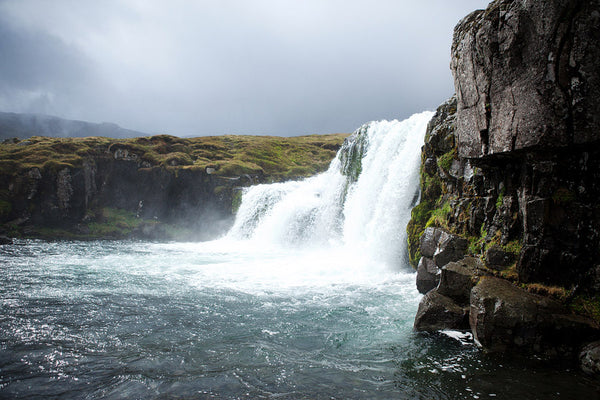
[{"x": 353, "y": 216}]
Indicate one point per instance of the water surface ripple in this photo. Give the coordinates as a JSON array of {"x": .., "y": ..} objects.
[{"x": 134, "y": 320}]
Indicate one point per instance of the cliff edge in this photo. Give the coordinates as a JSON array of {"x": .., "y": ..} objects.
[
  {"x": 510, "y": 176},
  {"x": 159, "y": 187}
]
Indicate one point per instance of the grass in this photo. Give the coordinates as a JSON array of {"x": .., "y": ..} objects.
[
  {"x": 278, "y": 157},
  {"x": 445, "y": 161},
  {"x": 587, "y": 305},
  {"x": 439, "y": 217}
]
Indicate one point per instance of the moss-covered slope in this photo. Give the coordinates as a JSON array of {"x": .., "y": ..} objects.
[{"x": 229, "y": 155}]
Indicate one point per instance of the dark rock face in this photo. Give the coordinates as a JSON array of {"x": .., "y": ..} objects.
[
  {"x": 590, "y": 358},
  {"x": 497, "y": 258},
  {"x": 526, "y": 75},
  {"x": 458, "y": 278},
  {"x": 514, "y": 167},
  {"x": 527, "y": 78},
  {"x": 68, "y": 198},
  {"x": 450, "y": 248},
  {"x": 437, "y": 312},
  {"x": 503, "y": 317},
  {"x": 428, "y": 275},
  {"x": 438, "y": 249},
  {"x": 447, "y": 305}
]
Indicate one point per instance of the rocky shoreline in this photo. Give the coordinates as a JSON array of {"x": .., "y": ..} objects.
[{"x": 506, "y": 237}]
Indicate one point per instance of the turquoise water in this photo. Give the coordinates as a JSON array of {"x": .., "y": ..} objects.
[{"x": 136, "y": 320}]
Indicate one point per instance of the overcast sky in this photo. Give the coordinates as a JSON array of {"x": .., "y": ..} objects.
[{"x": 183, "y": 67}]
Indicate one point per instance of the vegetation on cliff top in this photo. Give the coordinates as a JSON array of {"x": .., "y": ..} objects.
[{"x": 228, "y": 155}]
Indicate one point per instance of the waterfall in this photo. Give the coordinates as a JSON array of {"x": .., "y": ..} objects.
[{"x": 361, "y": 203}]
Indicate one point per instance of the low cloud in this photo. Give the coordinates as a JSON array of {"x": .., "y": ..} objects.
[{"x": 277, "y": 67}]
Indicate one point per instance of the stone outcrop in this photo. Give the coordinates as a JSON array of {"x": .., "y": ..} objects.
[
  {"x": 526, "y": 75},
  {"x": 512, "y": 165},
  {"x": 428, "y": 275},
  {"x": 528, "y": 115},
  {"x": 437, "y": 312},
  {"x": 447, "y": 306},
  {"x": 504, "y": 317},
  {"x": 438, "y": 248},
  {"x": 73, "y": 198},
  {"x": 590, "y": 358}
]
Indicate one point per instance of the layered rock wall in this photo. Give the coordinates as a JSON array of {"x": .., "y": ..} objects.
[
  {"x": 512, "y": 165},
  {"x": 72, "y": 198}
]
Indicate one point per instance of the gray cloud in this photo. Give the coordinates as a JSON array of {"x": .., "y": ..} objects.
[{"x": 183, "y": 67}]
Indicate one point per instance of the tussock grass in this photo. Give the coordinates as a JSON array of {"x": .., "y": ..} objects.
[{"x": 229, "y": 155}]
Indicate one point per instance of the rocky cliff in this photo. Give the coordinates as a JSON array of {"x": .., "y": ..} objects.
[
  {"x": 149, "y": 187},
  {"x": 510, "y": 173}
]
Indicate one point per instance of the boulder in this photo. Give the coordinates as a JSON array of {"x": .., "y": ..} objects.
[
  {"x": 589, "y": 358},
  {"x": 497, "y": 258},
  {"x": 503, "y": 316},
  {"x": 449, "y": 248},
  {"x": 458, "y": 278},
  {"x": 429, "y": 241},
  {"x": 428, "y": 275},
  {"x": 441, "y": 246},
  {"x": 437, "y": 312}
]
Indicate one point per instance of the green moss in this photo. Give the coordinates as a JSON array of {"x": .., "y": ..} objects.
[
  {"x": 439, "y": 216},
  {"x": 500, "y": 198},
  {"x": 445, "y": 161},
  {"x": 418, "y": 218},
  {"x": 278, "y": 157},
  {"x": 351, "y": 156},
  {"x": 113, "y": 222},
  {"x": 514, "y": 247},
  {"x": 236, "y": 201},
  {"x": 477, "y": 243},
  {"x": 588, "y": 305}
]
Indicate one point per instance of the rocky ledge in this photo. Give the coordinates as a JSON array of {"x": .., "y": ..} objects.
[
  {"x": 506, "y": 237},
  {"x": 159, "y": 187}
]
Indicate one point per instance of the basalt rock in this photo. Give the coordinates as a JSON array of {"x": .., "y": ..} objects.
[
  {"x": 428, "y": 275},
  {"x": 458, "y": 278},
  {"x": 497, "y": 258},
  {"x": 449, "y": 248},
  {"x": 526, "y": 75},
  {"x": 437, "y": 312},
  {"x": 503, "y": 317},
  {"x": 514, "y": 168},
  {"x": 590, "y": 358}
]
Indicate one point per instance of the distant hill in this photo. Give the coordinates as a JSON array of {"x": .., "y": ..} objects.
[{"x": 26, "y": 125}]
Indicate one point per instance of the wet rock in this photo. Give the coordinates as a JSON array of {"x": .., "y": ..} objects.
[
  {"x": 458, "y": 278},
  {"x": 503, "y": 316},
  {"x": 429, "y": 241},
  {"x": 497, "y": 258},
  {"x": 5, "y": 240},
  {"x": 449, "y": 248},
  {"x": 589, "y": 358},
  {"x": 437, "y": 312},
  {"x": 428, "y": 275}
]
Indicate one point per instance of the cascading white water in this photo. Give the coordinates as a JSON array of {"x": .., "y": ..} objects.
[{"x": 361, "y": 203}]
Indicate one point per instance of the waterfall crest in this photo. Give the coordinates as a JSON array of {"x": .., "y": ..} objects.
[{"x": 362, "y": 202}]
